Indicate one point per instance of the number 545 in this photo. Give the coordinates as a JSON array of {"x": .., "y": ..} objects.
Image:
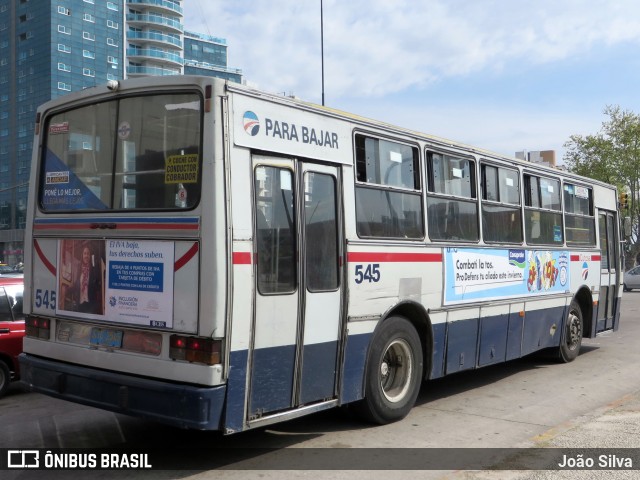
[
  {"x": 46, "y": 299},
  {"x": 369, "y": 272}
]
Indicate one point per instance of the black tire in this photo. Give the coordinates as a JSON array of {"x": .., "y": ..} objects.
[
  {"x": 625, "y": 288},
  {"x": 5, "y": 378},
  {"x": 393, "y": 372},
  {"x": 571, "y": 340}
]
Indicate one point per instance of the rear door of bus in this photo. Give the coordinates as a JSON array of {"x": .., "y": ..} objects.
[{"x": 298, "y": 306}]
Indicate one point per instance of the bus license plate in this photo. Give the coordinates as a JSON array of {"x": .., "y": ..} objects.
[{"x": 106, "y": 337}]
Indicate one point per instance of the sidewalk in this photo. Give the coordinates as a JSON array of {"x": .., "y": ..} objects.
[{"x": 616, "y": 425}]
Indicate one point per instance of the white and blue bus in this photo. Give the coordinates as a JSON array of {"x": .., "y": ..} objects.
[{"x": 214, "y": 257}]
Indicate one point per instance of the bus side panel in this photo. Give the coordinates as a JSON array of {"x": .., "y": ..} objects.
[
  {"x": 439, "y": 331},
  {"x": 543, "y": 324},
  {"x": 516, "y": 327},
  {"x": 462, "y": 339},
  {"x": 355, "y": 359},
  {"x": 494, "y": 325}
]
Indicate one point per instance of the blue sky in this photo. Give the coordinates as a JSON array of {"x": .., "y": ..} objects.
[{"x": 504, "y": 75}]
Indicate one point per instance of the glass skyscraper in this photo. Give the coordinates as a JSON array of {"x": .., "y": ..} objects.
[{"x": 50, "y": 48}]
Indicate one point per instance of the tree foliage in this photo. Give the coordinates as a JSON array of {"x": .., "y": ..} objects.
[{"x": 612, "y": 156}]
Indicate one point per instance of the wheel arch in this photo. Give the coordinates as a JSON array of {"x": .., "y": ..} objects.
[
  {"x": 584, "y": 299},
  {"x": 418, "y": 316}
]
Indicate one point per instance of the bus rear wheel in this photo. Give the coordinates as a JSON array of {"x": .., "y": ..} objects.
[
  {"x": 571, "y": 341},
  {"x": 393, "y": 373}
]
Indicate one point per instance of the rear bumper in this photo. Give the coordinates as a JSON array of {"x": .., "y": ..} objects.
[{"x": 184, "y": 406}]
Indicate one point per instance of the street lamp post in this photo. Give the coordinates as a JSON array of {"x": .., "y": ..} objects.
[{"x": 322, "y": 48}]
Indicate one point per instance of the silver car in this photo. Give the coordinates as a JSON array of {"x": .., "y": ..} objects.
[{"x": 632, "y": 279}]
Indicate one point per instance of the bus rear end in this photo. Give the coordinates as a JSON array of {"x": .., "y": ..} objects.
[{"x": 117, "y": 224}]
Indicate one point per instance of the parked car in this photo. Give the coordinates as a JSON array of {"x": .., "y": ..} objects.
[
  {"x": 11, "y": 329},
  {"x": 632, "y": 279},
  {"x": 4, "y": 268}
]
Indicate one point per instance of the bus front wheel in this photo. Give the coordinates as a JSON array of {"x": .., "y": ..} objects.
[
  {"x": 572, "y": 338},
  {"x": 394, "y": 372}
]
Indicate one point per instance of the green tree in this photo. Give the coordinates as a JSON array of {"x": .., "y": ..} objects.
[{"x": 612, "y": 156}]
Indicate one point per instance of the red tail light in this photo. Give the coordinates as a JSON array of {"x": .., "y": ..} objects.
[
  {"x": 195, "y": 349},
  {"x": 37, "y": 327}
]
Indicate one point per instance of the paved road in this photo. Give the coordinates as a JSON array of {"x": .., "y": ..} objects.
[{"x": 533, "y": 402}]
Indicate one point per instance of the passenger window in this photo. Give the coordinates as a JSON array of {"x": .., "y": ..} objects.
[
  {"x": 388, "y": 191},
  {"x": 543, "y": 217},
  {"x": 580, "y": 222},
  {"x": 452, "y": 207},
  {"x": 501, "y": 213}
]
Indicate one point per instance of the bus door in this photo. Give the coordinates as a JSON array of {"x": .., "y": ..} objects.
[
  {"x": 297, "y": 320},
  {"x": 609, "y": 271}
]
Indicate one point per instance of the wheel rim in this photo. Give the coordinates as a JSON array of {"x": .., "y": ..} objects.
[
  {"x": 574, "y": 331},
  {"x": 396, "y": 369}
]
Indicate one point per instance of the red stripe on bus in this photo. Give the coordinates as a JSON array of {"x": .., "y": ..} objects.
[
  {"x": 44, "y": 259},
  {"x": 182, "y": 261},
  {"x": 381, "y": 257},
  {"x": 594, "y": 258},
  {"x": 242, "y": 258}
]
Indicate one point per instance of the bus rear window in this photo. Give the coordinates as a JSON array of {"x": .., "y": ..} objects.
[{"x": 135, "y": 153}]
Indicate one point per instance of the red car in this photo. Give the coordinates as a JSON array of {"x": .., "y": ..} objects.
[{"x": 11, "y": 329}]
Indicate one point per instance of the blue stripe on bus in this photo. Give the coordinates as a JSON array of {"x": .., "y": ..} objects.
[
  {"x": 318, "y": 371},
  {"x": 457, "y": 346},
  {"x": 272, "y": 379},
  {"x": 477, "y": 342},
  {"x": 355, "y": 359}
]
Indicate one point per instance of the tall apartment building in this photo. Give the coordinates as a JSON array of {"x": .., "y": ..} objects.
[
  {"x": 207, "y": 55},
  {"x": 51, "y": 47}
]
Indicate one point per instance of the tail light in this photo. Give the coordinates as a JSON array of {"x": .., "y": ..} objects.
[
  {"x": 38, "y": 327},
  {"x": 195, "y": 349}
]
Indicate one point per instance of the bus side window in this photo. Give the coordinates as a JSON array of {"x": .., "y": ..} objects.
[
  {"x": 452, "y": 206},
  {"x": 388, "y": 190},
  {"x": 501, "y": 213},
  {"x": 542, "y": 212}
]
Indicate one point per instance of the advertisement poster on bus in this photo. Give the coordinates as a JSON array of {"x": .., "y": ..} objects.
[
  {"x": 80, "y": 278},
  {"x": 139, "y": 282},
  {"x": 474, "y": 274},
  {"x": 120, "y": 280}
]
